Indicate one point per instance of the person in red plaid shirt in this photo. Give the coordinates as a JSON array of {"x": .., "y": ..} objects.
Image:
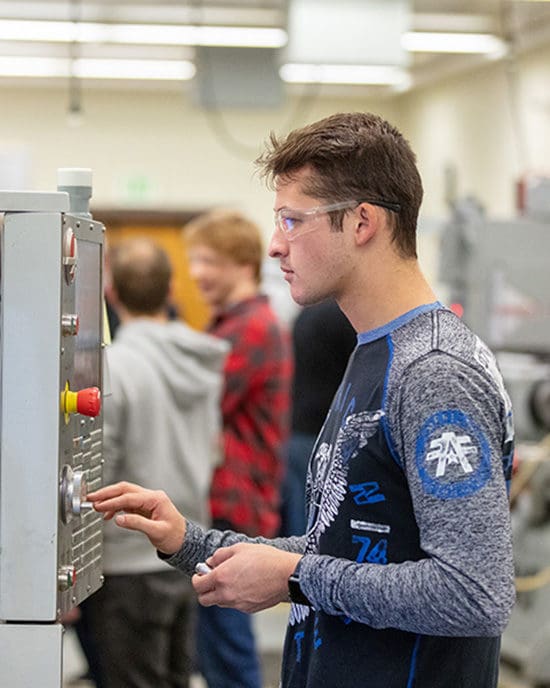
[{"x": 225, "y": 253}]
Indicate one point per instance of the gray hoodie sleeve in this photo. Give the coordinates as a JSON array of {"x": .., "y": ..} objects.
[
  {"x": 114, "y": 427},
  {"x": 199, "y": 544},
  {"x": 445, "y": 416}
]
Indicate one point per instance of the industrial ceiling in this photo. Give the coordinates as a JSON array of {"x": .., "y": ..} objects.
[{"x": 44, "y": 41}]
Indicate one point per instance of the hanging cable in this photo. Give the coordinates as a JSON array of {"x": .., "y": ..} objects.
[
  {"x": 509, "y": 33},
  {"x": 215, "y": 116},
  {"x": 75, "y": 112}
]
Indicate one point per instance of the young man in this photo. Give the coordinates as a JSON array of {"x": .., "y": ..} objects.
[
  {"x": 162, "y": 428},
  {"x": 225, "y": 256},
  {"x": 404, "y": 578}
]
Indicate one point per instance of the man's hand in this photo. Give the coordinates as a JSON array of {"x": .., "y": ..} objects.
[
  {"x": 148, "y": 511},
  {"x": 247, "y": 577}
]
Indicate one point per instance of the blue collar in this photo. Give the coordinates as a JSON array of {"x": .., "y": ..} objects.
[{"x": 383, "y": 330}]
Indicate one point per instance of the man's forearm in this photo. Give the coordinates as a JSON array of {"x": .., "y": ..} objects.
[{"x": 200, "y": 544}]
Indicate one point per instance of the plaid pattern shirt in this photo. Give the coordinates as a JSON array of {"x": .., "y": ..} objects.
[{"x": 256, "y": 409}]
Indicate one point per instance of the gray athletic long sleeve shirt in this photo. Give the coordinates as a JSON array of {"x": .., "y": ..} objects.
[{"x": 407, "y": 557}]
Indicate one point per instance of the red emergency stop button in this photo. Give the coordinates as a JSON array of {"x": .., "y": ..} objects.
[
  {"x": 86, "y": 401},
  {"x": 89, "y": 401}
]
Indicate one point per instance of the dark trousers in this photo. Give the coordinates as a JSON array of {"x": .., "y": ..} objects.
[
  {"x": 226, "y": 648},
  {"x": 140, "y": 631}
]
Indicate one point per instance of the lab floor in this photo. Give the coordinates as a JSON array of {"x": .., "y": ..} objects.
[{"x": 270, "y": 628}]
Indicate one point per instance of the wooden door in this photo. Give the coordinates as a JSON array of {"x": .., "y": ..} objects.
[{"x": 166, "y": 229}]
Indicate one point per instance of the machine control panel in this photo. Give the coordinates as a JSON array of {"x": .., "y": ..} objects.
[
  {"x": 80, "y": 419},
  {"x": 51, "y": 349}
]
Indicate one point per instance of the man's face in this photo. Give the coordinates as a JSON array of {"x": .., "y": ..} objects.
[
  {"x": 216, "y": 275},
  {"x": 317, "y": 262}
]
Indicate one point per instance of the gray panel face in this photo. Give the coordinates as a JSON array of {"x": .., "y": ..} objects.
[
  {"x": 30, "y": 655},
  {"x": 48, "y": 457},
  {"x": 27, "y": 201},
  {"x": 31, "y": 268},
  {"x": 508, "y": 285},
  {"x": 81, "y": 439}
]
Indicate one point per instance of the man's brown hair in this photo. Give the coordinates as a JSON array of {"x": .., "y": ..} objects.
[
  {"x": 230, "y": 234},
  {"x": 353, "y": 156},
  {"x": 141, "y": 274}
]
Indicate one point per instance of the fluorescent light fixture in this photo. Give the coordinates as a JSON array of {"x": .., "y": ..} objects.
[
  {"x": 34, "y": 66},
  {"x": 168, "y": 70},
  {"x": 296, "y": 73},
  {"x": 150, "y": 34},
  {"x": 176, "y": 70},
  {"x": 432, "y": 42},
  {"x": 361, "y": 32}
]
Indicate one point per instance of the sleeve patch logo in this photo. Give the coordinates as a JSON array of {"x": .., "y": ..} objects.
[
  {"x": 452, "y": 455},
  {"x": 451, "y": 448}
]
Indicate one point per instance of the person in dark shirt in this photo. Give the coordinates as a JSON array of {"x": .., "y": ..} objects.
[{"x": 323, "y": 340}]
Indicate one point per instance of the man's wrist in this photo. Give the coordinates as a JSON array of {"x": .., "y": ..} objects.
[{"x": 295, "y": 592}]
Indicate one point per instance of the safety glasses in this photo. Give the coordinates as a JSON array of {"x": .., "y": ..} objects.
[{"x": 295, "y": 223}]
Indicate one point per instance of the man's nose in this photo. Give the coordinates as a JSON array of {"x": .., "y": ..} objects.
[{"x": 278, "y": 246}]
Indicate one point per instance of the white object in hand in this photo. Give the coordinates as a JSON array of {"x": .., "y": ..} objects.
[{"x": 201, "y": 568}]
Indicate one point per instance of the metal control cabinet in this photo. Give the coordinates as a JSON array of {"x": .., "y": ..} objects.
[
  {"x": 498, "y": 272},
  {"x": 51, "y": 424},
  {"x": 508, "y": 298}
]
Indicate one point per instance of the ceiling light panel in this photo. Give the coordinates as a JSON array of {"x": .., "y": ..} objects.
[
  {"x": 89, "y": 68},
  {"x": 149, "y": 34},
  {"x": 344, "y": 74},
  {"x": 432, "y": 42},
  {"x": 347, "y": 32},
  {"x": 269, "y": 14}
]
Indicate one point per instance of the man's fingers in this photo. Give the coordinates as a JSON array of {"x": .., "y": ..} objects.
[
  {"x": 130, "y": 501},
  {"x": 208, "y": 593},
  {"x": 152, "y": 529},
  {"x": 148, "y": 511},
  {"x": 110, "y": 491},
  {"x": 215, "y": 597},
  {"x": 220, "y": 555},
  {"x": 210, "y": 599}
]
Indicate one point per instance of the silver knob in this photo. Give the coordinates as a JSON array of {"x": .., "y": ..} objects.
[
  {"x": 66, "y": 577},
  {"x": 73, "y": 494},
  {"x": 69, "y": 324}
]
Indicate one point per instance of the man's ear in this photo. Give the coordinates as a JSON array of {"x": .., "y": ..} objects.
[{"x": 366, "y": 223}]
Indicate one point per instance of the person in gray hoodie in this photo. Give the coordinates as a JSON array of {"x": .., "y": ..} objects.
[{"x": 162, "y": 429}]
